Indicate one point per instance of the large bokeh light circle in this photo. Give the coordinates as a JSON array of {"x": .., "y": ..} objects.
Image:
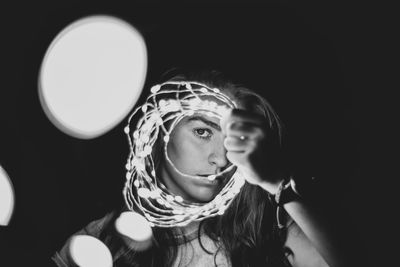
[
  {"x": 88, "y": 251},
  {"x": 7, "y": 198},
  {"x": 134, "y": 226},
  {"x": 92, "y": 75},
  {"x": 135, "y": 230}
]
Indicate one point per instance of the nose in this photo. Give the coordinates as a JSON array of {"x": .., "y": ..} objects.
[{"x": 218, "y": 158}]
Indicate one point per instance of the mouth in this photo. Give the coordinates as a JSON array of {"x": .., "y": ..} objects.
[{"x": 210, "y": 179}]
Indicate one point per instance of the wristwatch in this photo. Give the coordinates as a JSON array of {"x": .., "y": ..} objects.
[{"x": 286, "y": 192}]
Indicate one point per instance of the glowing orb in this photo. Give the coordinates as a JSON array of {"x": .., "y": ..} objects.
[
  {"x": 92, "y": 75},
  {"x": 136, "y": 228},
  {"x": 6, "y": 198},
  {"x": 88, "y": 251}
]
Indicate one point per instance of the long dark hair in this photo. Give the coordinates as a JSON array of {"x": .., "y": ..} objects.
[{"x": 247, "y": 230}]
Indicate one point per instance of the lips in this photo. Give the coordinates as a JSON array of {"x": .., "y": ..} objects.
[
  {"x": 205, "y": 180},
  {"x": 205, "y": 175}
]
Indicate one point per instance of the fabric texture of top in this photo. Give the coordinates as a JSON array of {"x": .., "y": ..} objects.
[{"x": 191, "y": 253}]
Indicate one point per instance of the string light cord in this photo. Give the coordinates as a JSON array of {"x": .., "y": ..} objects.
[{"x": 167, "y": 104}]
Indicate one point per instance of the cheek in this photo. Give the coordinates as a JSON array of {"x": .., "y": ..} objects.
[{"x": 186, "y": 154}]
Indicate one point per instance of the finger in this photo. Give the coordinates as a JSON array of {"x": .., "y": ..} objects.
[
  {"x": 244, "y": 129},
  {"x": 235, "y": 144},
  {"x": 239, "y": 115}
]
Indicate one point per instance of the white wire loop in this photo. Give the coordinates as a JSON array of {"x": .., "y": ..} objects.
[{"x": 166, "y": 105}]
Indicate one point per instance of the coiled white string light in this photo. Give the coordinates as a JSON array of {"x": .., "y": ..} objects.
[{"x": 170, "y": 102}]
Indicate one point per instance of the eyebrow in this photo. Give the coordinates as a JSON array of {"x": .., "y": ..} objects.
[{"x": 205, "y": 121}]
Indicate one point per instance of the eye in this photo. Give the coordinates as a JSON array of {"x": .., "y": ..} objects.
[{"x": 203, "y": 133}]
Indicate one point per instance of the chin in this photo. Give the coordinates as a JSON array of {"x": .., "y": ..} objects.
[{"x": 203, "y": 195}]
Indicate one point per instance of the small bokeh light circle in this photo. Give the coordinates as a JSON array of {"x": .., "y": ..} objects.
[
  {"x": 135, "y": 229},
  {"x": 6, "y": 198},
  {"x": 88, "y": 251},
  {"x": 92, "y": 75}
]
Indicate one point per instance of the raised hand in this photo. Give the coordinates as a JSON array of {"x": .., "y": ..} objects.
[{"x": 248, "y": 147}]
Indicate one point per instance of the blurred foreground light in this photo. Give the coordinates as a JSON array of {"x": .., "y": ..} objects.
[
  {"x": 6, "y": 198},
  {"x": 88, "y": 251},
  {"x": 135, "y": 229},
  {"x": 92, "y": 75}
]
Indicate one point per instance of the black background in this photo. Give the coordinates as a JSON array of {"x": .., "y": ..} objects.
[{"x": 318, "y": 65}]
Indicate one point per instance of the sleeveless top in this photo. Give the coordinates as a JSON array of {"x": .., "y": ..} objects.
[{"x": 191, "y": 253}]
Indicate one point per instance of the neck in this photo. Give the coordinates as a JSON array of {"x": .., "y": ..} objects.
[{"x": 188, "y": 230}]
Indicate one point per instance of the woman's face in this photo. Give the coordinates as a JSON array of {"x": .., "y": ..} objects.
[{"x": 195, "y": 148}]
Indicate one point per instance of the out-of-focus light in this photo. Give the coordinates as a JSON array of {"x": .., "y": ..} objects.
[
  {"x": 92, "y": 75},
  {"x": 6, "y": 198},
  {"x": 136, "y": 230},
  {"x": 88, "y": 251}
]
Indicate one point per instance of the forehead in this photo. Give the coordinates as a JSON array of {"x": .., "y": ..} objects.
[{"x": 199, "y": 118}]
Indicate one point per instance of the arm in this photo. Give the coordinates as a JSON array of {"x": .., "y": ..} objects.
[
  {"x": 302, "y": 253},
  {"x": 322, "y": 217},
  {"x": 315, "y": 230},
  {"x": 318, "y": 222}
]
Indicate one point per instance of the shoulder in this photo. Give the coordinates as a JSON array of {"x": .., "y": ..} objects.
[
  {"x": 95, "y": 228},
  {"x": 303, "y": 251}
]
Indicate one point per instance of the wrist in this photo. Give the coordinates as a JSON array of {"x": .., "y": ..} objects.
[
  {"x": 286, "y": 192},
  {"x": 271, "y": 185}
]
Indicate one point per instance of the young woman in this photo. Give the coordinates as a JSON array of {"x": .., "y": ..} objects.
[{"x": 247, "y": 234}]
